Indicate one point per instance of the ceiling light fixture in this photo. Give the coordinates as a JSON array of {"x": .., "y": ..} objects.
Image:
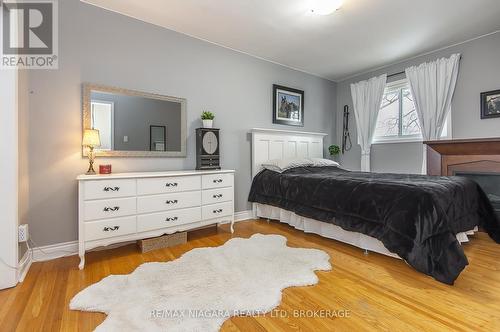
[{"x": 325, "y": 7}]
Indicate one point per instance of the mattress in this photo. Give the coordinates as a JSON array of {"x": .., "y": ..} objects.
[
  {"x": 415, "y": 217},
  {"x": 331, "y": 231}
]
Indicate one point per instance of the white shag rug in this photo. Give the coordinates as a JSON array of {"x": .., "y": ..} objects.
[{"x": 204, "y": 287}]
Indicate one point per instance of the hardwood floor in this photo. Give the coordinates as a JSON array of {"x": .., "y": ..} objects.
[{"x": 373, "y": 291}]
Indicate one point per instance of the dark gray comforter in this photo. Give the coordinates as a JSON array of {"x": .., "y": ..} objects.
[{"x": 414, "y": 216}]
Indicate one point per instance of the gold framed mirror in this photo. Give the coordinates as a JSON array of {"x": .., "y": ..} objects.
[{"x": 134, "y": 123}]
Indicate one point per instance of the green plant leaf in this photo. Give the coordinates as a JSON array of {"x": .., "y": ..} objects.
[
  {"x": 207, "y": 115},
  {"x": 334, "y": 150}
]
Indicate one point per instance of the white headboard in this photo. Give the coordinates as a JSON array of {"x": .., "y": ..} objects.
[{"x": 270, "y": 144}]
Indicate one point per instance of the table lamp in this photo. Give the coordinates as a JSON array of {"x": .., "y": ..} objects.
[{"x": 91, "y": 140}]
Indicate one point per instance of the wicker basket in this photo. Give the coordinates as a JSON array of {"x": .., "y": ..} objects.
[{"x": 163, "y": 241}]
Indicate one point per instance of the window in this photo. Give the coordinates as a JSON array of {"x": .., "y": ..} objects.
[{"x": 398, "y": 119}]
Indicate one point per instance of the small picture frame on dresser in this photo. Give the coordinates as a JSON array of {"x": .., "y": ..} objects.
[{"x": 490, "y": 104}]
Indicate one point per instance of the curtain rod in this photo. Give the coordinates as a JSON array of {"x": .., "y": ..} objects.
[
  {"x": 402, "y": 72},
  {"x": 396, "y": 74}
]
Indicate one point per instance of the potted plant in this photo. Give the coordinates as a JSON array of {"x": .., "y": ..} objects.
[
  {"x": 334, "y": 151},
  {"x": 208, "y": 119}
]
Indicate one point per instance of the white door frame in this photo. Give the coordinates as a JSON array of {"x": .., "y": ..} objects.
[{"x": 9, "y": 177}]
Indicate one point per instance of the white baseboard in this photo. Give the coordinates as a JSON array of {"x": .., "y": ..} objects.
[
  {"x": 53, "y": 251},
  {"x": 244, "y": 215},
  {"x": 24, "y": 265},
  {"x": 241, "y": 216}
]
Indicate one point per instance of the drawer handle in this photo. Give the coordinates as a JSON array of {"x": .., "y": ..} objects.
[
  {"x": 171, "y": 184},
  {"x": 217, "y": 196},
  {"x": 217, "y": 211},
  {"x": 107, "y": 208},
  {"x": 217, "y": 180},
  {"x": 171, "y": 219},
  {"x": 111, "y": 189},
  {"x": 114, "y": 228},
  {"x": 170, "y": 201}
]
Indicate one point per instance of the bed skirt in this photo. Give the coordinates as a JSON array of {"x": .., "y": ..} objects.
[{"x": 332, "y": 231}]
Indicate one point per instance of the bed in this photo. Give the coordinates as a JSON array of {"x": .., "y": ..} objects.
[{"x": 420, "y": 219}]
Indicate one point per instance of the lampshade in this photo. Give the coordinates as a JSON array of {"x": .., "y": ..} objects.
[{"x": 91, "y": 138}]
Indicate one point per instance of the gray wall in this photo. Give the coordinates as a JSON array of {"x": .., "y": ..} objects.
[
  {"x": 479, "y": 72},
  {"x": 134, "y": 115},
  {"x": 98, "y": 46}
]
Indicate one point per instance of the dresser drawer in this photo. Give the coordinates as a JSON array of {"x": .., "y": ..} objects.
[
  {"x": 217, "y": 180},
  {"x": 109, "y": 189},
  {"x": 147, "y": 222},
  {"x": 110, "y": 228},
  {"x": 217, "y": 210},
  {"x": 109, "y": 208},
  {"x": 219, "y": 195},
  {"x": 166, "y": 202},
  {"x": 168, "y": 185}
]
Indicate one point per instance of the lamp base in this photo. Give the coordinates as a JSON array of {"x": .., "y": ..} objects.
[{"x": 91, "y": 156}]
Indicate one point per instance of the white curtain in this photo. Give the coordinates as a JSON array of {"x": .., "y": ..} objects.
[
  {"x": 432, "y": 85},
  {"x": 366, "y": 98}
]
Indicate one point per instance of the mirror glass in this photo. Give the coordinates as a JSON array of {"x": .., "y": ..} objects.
[{"x": 133, "y": 123}]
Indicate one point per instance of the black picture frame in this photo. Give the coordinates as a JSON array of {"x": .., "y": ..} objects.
[
  {"x": 292, "y": 111},
  {"x": 151, "y": 143},
  {"x": 490, "y": 109}
]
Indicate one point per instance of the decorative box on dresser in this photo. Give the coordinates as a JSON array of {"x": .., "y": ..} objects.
[{"x": 131, "y": 206}]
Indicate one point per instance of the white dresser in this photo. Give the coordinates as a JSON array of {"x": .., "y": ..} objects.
[{"x": 130, "y": 206}]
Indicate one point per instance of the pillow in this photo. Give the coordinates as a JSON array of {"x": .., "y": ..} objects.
[
  {"x": 281, "y": 165},
  {"x": 320, "y": 162}
]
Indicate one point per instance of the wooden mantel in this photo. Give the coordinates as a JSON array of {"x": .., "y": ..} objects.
[{"x": 445, "y": 157}]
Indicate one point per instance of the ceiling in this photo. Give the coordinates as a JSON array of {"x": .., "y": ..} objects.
[{"x": 362, "y": 35}]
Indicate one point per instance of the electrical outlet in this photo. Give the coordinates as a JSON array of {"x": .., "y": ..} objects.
[{"x": 23, "y": 234}]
